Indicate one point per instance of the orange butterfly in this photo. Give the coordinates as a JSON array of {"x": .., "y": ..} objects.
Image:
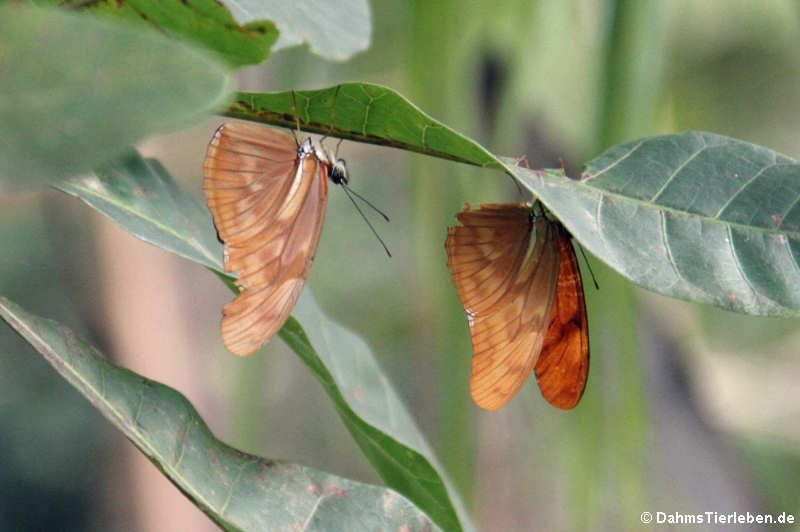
[
  {"x": 268, "y": 196},
  {"x": 517, "y": 276}
]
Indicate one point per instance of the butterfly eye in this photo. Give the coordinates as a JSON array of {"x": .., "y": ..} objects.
[{"x": 338, "y": 172}]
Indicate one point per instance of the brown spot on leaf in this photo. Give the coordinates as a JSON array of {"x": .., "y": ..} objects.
[{"x": 336, "y": 491}]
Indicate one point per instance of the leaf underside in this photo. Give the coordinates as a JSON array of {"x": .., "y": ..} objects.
[
  {"x": 238, "y": 491},
  {"x": 333, "y": 30},
  {"x": 206, "y": 22},
  {"x": 76, "y": 92},
  {"x": 362, "y": 112},
  {"x": 697, "y": 216}
]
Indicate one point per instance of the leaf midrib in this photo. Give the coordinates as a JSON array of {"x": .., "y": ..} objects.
[
  {"x": 795, "y": 235},
  {"x": 32, "y": 334},
  {"x": 138, "y": 214}
]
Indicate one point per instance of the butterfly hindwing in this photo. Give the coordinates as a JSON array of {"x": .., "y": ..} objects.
[{"x": 563, "y": 366}]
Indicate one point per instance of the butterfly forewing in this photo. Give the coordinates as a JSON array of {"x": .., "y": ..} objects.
[
  {"x": 268, "y": 200},
  {"x": 504, "y": 267},
  {"x": 518, "y": 279}
]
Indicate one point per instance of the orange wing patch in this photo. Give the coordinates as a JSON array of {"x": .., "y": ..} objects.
[
  {"x": 268, "y": 199},
  {"x": 563, "y": 366},
  {"x": 518, "y": 279}
]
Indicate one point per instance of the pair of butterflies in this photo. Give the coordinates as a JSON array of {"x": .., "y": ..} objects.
[{"x": 515, "y": 270}]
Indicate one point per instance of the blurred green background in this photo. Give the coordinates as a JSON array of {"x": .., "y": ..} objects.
[{"x": 688, "y": 409}]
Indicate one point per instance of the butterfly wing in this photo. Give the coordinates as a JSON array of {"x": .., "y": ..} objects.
[
  {"x": 563, "y": 365},
  {"x": 268, "y": 205},
  {"x": 504, "y": 267}
]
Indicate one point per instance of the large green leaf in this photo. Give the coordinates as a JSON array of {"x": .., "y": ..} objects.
[
  {"x": 141, "y": 196},
  {"x": 75, "y": 92},
  {"x": 205, "y": 21},
  {"x": 362, "y": 112},
  {"x": 697, "y": 216},
  {"x": 244, "y": 31},
  {"x": 238, "y": 491},
  {"x": 333, "y": 30}
]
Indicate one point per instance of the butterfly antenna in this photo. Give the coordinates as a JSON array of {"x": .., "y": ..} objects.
[
  {"x": 563, "y": 167},
  {"x": 296, "y": 118},
  {"x": 519, "y": 187},
  {"x": 374, "y": 232},
  {"x": 585, "y": 260},
  {"x": 522, "y": 159},
  {"x": 365, "y": 200}
]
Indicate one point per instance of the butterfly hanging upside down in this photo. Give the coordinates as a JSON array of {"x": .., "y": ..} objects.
[
  {"x": 518, "y": 278},
  {"x": 267, "y": 194}
]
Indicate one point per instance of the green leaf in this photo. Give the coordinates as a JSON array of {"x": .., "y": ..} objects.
[
  {"x": 696, "y": 216},
  {"x": 207, "y": 22},
  {"x": 371, "y": 409},
  {"x": 238, "y": 491},
  {"x": 363, "y": 112},
  {"x": 244, "y": 31},
  {"x": 141, "y": 196},
  {"x": 333, "y": 30},
  {"x": 75, "y": 92}
]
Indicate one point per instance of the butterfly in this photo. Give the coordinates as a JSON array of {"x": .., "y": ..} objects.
[
  {"x": 518, "y": 279},
  {"x": 267, "y": 194}
]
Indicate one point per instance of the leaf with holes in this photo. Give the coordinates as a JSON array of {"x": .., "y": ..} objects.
[
  {"x": 333, "y": 30},
  {"x": 207, "y": 22},
  {"x": 238, "y": 491},
  {"x": 697, "y": 216},
  {"x": 245, "y": 31}
]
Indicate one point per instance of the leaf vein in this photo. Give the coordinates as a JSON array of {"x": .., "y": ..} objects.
[
  {"x": 795, "y": 235},
  {"x": 184, "y": 438},
  {"x": 619, "y": 160},
  {"x": 675, "y": 172},
  {"x": 741, "y": 271},
  {"x": 665, "y": 239},
  {"x": 741, "y": 189},
  {"x": 235, "y": 482},
  {"x": 788, "y": 210}
]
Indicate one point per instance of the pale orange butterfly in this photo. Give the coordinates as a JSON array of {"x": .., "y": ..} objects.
[
  {"x": 267, "y": 194},
  {"x": 519, "y": 282}
]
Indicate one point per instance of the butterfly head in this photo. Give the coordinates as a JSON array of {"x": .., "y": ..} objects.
[
  {"x": 338, "y": 172},
  {"x": 305, "y": 149}
]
